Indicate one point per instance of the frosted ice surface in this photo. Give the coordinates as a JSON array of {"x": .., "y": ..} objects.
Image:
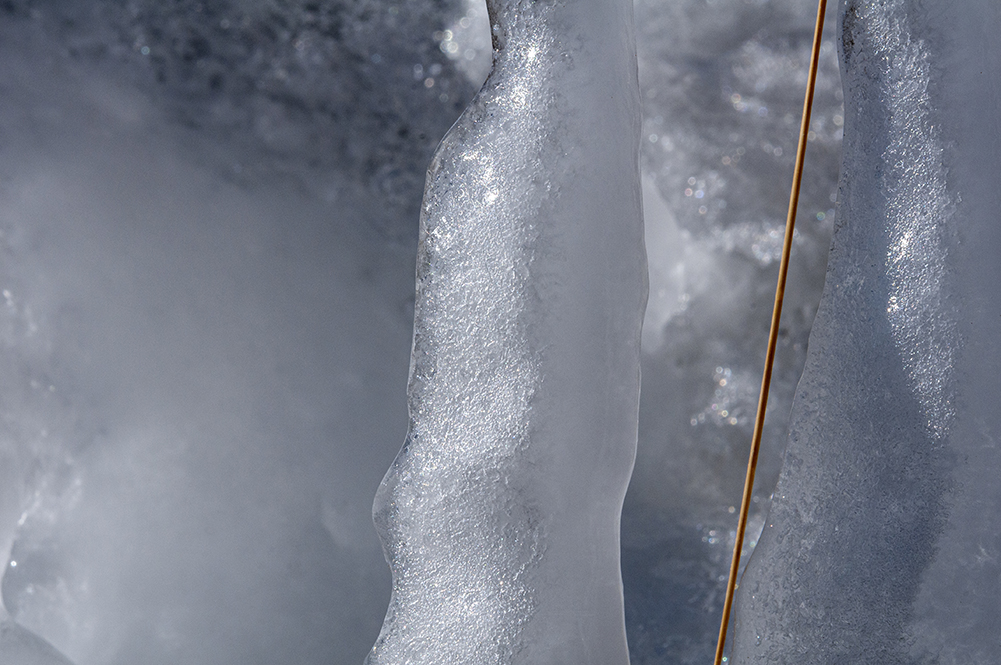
[
  {"x": 879, "y": 547},
  {"x": 203, "y": 112},
  {"x": 500, "y": 516}
]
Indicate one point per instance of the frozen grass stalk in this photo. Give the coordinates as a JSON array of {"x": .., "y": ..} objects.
[{"x": 500, "y": 516}]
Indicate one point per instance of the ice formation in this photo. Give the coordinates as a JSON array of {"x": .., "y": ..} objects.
[
  {"x": 19, "y": 646},
  {"x": 881, "y": 546},
  {"x": 722, "y": 88},
  {"x": 207, "y": 217},
  {"x": 500, "y": 516}
]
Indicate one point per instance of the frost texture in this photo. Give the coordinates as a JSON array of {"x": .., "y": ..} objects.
[
  {"x": 877, "y": 548},
  {"x": 525, "y": 371},
  {"x": 205, "y": 341}
]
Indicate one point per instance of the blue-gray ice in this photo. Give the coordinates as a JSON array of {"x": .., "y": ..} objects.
[
  {"x": 500, "y": 516},
  {"x": 19, "y": 646},
  {"x": 882, "y": 543},
  {"x": 207, "y": 212}
]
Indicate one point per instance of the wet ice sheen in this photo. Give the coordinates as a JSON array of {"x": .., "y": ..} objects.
[{"x": 524, "y": 381}]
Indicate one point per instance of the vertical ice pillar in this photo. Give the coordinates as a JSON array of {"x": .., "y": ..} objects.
[
  {"x": 500, "y": 516},
  {"x": 884, "y": 540}
]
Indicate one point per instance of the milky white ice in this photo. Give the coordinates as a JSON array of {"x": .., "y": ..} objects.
[
  {"x": 882, "y": 544},
  {"x": 500, "y": 516}
]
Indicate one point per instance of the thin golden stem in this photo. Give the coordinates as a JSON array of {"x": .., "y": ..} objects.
[{"x": 773, "y": 333}]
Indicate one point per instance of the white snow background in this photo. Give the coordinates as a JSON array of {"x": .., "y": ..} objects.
[{"x": 208, "y": 216}]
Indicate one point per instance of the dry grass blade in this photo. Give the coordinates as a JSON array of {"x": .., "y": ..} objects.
[{"x": 773, "y": 333}]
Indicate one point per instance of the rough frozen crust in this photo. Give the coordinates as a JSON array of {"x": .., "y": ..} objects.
[
  {"x": 500, "y": 516},
  {"x": 879, "y": 547}
]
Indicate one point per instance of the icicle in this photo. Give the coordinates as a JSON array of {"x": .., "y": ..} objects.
[
  {"x": 500, "y": 516},
  {"x": 881, "y": 545}
]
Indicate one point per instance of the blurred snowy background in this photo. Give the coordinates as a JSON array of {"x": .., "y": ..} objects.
[{"x": 208, "y": 216}]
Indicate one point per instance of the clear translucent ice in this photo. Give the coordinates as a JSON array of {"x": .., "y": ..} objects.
[
  {"x": 500, "y": 516},
  {"x": 882, "y": 543}
]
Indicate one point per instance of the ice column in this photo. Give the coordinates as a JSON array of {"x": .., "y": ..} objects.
[
  {"x": 883, "y": 542},
  {"x": 500, "y": 516}
]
